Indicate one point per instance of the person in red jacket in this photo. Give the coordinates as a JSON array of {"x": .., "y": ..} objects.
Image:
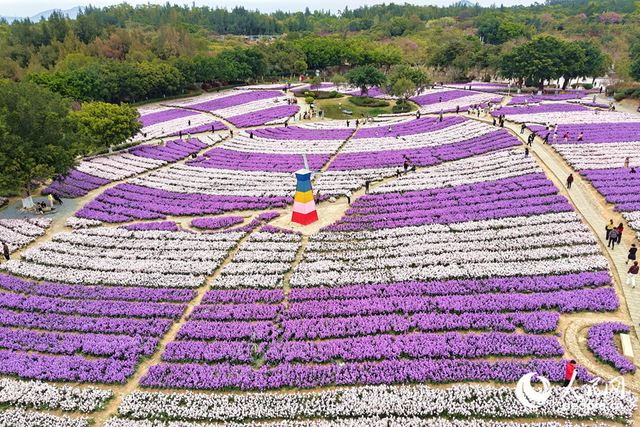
[
  {"x": 568, "y": 374},
  {"x": 569, "y": 180},
  {"x": 632, "y": 274}
]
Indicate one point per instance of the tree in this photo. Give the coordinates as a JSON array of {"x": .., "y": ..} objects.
[
  {"x": 38, "y": 138},
  {"x": 634, "y": 70},
  {"x": 365, "y": 77},
  {"x": 316, "y": 82},
  {"x": 338, "y": 80},
  {"x": 537, "y": 60},
  {"x": 107, "y": 124},
  {"x": 403, "y": 88},
  {"x": 574, "y": 60},
  {"x": 299, "y": 67},
  {"x": 417, "y": 76}
]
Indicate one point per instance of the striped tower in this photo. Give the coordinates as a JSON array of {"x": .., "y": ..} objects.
[{"x": 304, "y": 208}]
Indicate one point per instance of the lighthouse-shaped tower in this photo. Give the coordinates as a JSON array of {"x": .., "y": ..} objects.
[{"x": 304, "y": 207}]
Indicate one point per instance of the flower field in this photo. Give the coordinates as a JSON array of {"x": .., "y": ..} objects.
[{"x": 421, "y": 303}]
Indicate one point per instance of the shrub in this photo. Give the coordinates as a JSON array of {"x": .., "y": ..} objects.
[
  {"x": 487, "y": 78},
  {"x": 401, "y": 108},
  {"x": 363, "y": 101},
  {"x": 574, "y": 85},
  {"x": 399, "y": 102},
  {"x": 587, "y": 86},
  {"x": 333, "y": 94},
  {"x": 309, "y": 99}
]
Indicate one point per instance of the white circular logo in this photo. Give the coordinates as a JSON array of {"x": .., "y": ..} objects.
[{"x": 528, "y": 396}]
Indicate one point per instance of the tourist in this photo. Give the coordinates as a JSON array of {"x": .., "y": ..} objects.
[
  {"x": 398, "y": 173},
  {"x": 5, "y": 251},
  {"x": 555, "y": 136},
  {"x": 413, "y": 168},
  {"x": 546, "y": 138},
  {"x": 626, "y": 163},
  {"x": 348, "y": 195},
  {"x": 580, "y": 136},
  {"x": 522, "y": 128},
  {"x": 213, "y": 127},
  {"x": 357, "y": 122},
  {"x": 631, "y": 274},
  {"x": 348, "y": 123},
  {"x": 566, "y": 136},
  {"x": 457, "y": 109},
  {"x": 494, "y": 121},
  {"x": 632, "y": 253},
  {"x": 526, "y": 152},
  {"x": 389, "y": 128},
  {"x": 180, "y": 135},
  {"x": 613, "y": 237},
  {"x": 532, "y": 136},
  {"x": 251, "y": 135},
  {"x": 406, "y": 166},
  {"x": 569, "y": 180},
  {"x": 57, "y": 198},
  {"x": 231, "y": 133},
  {"x": 189, "y": 121},
  {"x": 50, "y": 197},
  {"x": 366, "y": 185},
  {"x": 440, "y": 115},
  {"x": 568, "y": 373},
  {"x": 619, "y": 230},
  {"x": 609, "y": 226},
  {"x": 318, "y": 196}
]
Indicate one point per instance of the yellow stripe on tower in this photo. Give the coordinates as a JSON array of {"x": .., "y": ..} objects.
[{"x": 303, "y": 197}]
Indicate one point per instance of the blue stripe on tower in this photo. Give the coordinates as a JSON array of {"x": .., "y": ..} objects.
[{"x": 303, "y": 186}]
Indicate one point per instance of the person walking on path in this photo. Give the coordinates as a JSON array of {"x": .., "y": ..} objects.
[
  {"x": 522, "y": 128},
  {"x": 569, "y": 180},
  {"x": 457, "y": 109},
  {"x": 619, "y": 230},
  {"x": 632, "y": 253},
  {"x": 568, "y": 373},
  {"x": 413, "y": 168},
  {"x": 532, "y": 137},
  {"x": 347, "y": 123},
  {"x": 609, "y": 226},
  {"x": 613, "y": 237},
  {"x": 580, "y": 136},
  {"x": 5, "y": 251},
  {"x": 555, "y": 136},
  {"x": 632, "y": 273},
  {"x": 406, "y": 166},
  {"x": 526, "y": 152},
  {"x": 366, "y": 186},
  {"x": 348, "y": 194},
  {"x": 398, "y": 174},
  {"x": 626, "y": 163}
]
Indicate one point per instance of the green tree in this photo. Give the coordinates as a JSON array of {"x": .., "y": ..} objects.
[
  {"x": 38, "y": 138},
  {"x": 573, "y": 57},
  {"x": 107, "y": 124},
  {"x": 316, "y": 82},
  {"x": 403, "y": 88},
  {"x": 634, "y": 70},
  {"x": 299, "y": 67},
  {"x": 418, "y": 76},
  {"x": 365, "y": 77},
  {"x": 537, "y": 60}
]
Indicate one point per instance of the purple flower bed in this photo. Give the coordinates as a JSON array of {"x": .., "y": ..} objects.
[
  {"x": 599, "y": 133},
  {"x": 456, "y": 287},
  {"x": 270, "y": 229},
  {"x": 449, "y": 345},
  {"x": 243, "y": 377},
  {"x": 126, "y": 202},
  {"x": 421, "y": 125},
  {"x": 294, "y": 133},
  {"x": 217, "y": 125},
  {"x": 43, "y": 304},
  {"x": 425, "y": 156},
  {"x": 233, "y": 100},
  {"x": 15, "y": 284},
  {"x": 236, "y": 312},
  {"x": 339, "y": 327},
  {"x": 524, "y": 195},
  {"x": 544, "y": 108},
  {"x": 76, "y": 184},
  {"x": 160, "y": 225},
  {"x": 221, "y": 158},
  {"x": 619, "y": 186},
  {"x": 164, "y": 116},
  {"x": 444, "y": 96},
  {"x": 242, "y": 296},
  {"x": 268, "y": 216},
  {"x": 209, "y": 330},
  {"x": 598, "y": 299},
  {"x": 171, "y": 152},
  {"x": 216, "y": 351},
  {"x": 257, "y": 118},
  {"x": 216, "y": 223},
  {"x": 59, "y": 322},
  {"x": 600, "y": 341}
]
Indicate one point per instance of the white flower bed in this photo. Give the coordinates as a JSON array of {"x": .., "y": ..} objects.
[
  {"x": 40, "y": 395},
  {"x": 211, "y": 139},
  {"x": 22, "y": 418},
  {"x": 338, "y": 182},
  {"x": 457, "y": 401},
  {"x": 118, "y": 166},
  {"x": 504, "y": 164},
  {"x": 242, "y": 142},
  {"x": 250, "y": 107},
  {"x": 633, "y": 220},
  {"x": 196, "y": 180},
  {"x": 573, "y": 117},
  {"x": 171, "y": 127},
  {"x": 356, "y": 422},
  {"x": 600, "y": 156},
  {"x": 75, "y": 222},
  {"x": 205, "y": 97},
  {"x": 473, "y": 98},
  {"x": 261, "y": 261},
  {"x": 17, "y": 233},
  {"x": 155, "y": 258},
  {"x": 458, "y": 132}
]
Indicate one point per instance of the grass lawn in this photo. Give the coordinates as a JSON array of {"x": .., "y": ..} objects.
[{"x": 333, "y": 108}]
